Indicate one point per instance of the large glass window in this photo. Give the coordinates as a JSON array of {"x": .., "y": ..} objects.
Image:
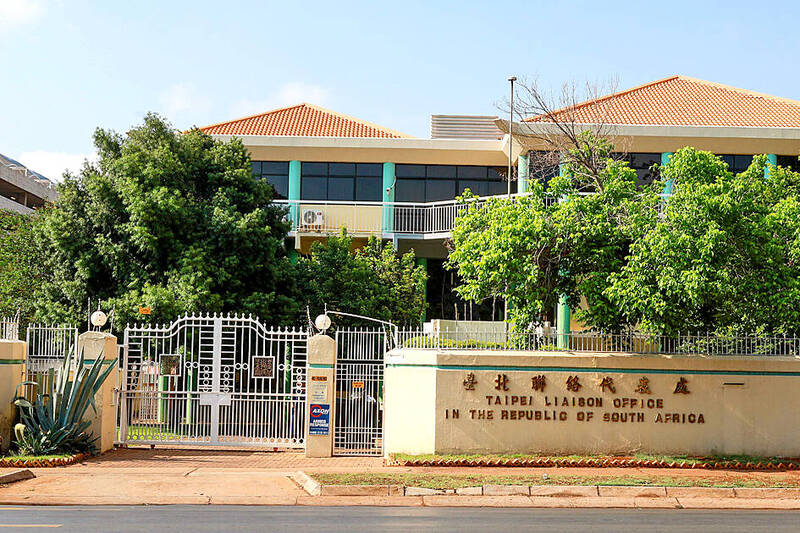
[
  {"x": 789, "y": 161},
  {"x": 737, "y": 162},
  {"x": 433, "y": 183},
  {"x": 642, "y": 163},
  {"x": 345, "y": 182},
  {"x": 276, "y": 173}
]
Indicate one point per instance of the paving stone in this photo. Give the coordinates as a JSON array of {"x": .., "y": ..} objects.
[
  {"x": 773, "y": 493},
  {"x": 396, "y": 490},
  {"x": 699, "y": 492},
  {"x": 577, "y": 491},
  {"x": 632, "y": 492},
  {"x": 470, "y": 491},
  {"x": 506, "y": 490}
]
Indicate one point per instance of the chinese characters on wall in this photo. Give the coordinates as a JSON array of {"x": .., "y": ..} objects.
[{"x": 532, "y": 398}]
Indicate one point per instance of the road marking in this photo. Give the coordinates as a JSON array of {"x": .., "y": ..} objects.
[{"x": 30, "y": 525}]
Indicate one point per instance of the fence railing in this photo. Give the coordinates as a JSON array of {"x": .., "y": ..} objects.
[
  {"x": 601, "y": 342},
  {"x": 9, "y": 328},
  {"x": 431, "y": 218}
]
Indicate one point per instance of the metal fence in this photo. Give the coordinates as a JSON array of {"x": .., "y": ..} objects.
[
  {"x": 9, "y": 328},
  {"x": 359, "y": 391},
  {"x": 48, "y": 346},
  {"x": 603, "y": 342}
]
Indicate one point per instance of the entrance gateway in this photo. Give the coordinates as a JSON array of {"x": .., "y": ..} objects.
[
  {"x": 230, "y": 381},
  {"x": 214, "y": 380}
]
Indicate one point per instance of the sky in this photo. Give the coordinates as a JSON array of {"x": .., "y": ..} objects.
[{"x": 68, "y": 67}]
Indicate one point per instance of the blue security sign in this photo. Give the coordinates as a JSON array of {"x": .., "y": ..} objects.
[{"x": 319, "y": 421}]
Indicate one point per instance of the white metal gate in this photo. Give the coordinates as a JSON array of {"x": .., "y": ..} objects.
[
  {"x": 214, "y": 380},
  {"x": 359, "y": 391}
]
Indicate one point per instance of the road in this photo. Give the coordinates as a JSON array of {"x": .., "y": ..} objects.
[{"x": 298, "y": 519}]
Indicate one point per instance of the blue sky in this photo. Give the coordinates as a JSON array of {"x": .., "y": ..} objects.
[{"x": 71, "y": 66}]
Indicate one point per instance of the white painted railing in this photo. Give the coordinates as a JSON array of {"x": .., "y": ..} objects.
[{"x": 404, "y": 218}]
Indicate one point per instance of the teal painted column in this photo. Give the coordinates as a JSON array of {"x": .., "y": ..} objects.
[
  {"x": 295, "y": 171},
  {"x": 523, "y": 170},
  {"x": 387, "y": 225},
  {"x": 772, "y": 159},
  {"x": 423, "y": 262},
  {"x": 669, "y": 185}
]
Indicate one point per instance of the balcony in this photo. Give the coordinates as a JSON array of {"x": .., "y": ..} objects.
[{"x": 433, "y": 220}]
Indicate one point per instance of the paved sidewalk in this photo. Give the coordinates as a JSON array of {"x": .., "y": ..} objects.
[{"x": 205, "y": 476}]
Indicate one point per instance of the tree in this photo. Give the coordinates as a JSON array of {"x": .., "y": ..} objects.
[
  {"x": 559, "y": 131},
  {"x": 19, "y": 264},
  {"x": 372, "y": 281},
  {"x": 725, "y": 255},
  {"x": 175, "y": 222},
  {"x": 530, "y": 249}
]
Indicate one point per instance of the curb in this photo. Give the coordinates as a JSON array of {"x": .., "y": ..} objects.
[
  {"x": 16, "y": 475},
  {"x": 586, "y": 492}
]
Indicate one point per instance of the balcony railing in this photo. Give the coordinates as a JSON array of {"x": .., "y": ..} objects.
[{"x": 432, "y": 219}]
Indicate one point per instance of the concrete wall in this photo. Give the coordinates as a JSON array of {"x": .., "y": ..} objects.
[
  {"x": 505, "y": 402},
  {"x": 12, "y": 373}
]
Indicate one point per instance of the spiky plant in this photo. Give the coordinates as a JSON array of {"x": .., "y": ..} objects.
[{"x": 54, "y": 420}]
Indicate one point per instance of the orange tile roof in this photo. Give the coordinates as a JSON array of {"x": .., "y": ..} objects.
[
  {"x": 303, "y": 120},
  {"x": 684, "y": 101}
]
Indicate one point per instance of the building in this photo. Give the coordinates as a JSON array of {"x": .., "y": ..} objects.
[
  {"x": 337, "y": 171},
  {"x": 21, "y": 189}
]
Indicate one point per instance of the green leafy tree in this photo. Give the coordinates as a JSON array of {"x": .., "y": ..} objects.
[
  {"x": 20, "y": 260},
  {"x": 175, "y": 222},
  {"x": 531, "y": 249},
  {"x": 725, "y": 255},
  {"x": 372, "y": 281}
]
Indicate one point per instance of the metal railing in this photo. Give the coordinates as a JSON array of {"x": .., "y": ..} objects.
[
  {"x": 9, "y": 328},
  {"x": 600, "y": 342},
  {"x": 405, "y": 218}
]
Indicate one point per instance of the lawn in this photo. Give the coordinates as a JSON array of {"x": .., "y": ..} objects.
[{"x": 454, "y": 481}]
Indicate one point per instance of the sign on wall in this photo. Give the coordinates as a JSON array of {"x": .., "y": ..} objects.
[{"x": 319, "y": 419}]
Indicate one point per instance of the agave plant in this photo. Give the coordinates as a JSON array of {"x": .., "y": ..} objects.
[{"x": 54, "y": 421}]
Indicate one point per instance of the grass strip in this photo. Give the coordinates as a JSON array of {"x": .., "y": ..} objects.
[{"x": 455, "y": 481}]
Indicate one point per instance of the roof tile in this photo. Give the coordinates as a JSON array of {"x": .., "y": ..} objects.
[
  {"x": 684, "y": 101},
  {"x": 303, "y": 120}
]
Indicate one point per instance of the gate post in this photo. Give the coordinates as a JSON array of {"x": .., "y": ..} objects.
[
  {"x": 320, "y": 396},
  {"x": 12, "y": 373},
  {"x": 96, "y": 344}
]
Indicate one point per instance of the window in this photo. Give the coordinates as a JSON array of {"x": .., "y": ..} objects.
[
  {"x": 433, "y": 183},
  {"x": 542, "y": 166},
  {"x": 736, "y": 162},
  {"x": 789, "y": 161},
  {"x": 276, "y": 173},
  {"x": 642, "y": 162},
  {"x": 342, "y": 182}
]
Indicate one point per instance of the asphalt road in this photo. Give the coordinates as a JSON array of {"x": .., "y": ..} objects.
[{"x": 298, "y": 519}]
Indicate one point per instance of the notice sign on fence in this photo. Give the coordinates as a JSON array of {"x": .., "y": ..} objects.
[{"x": 319, "y": 421}]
